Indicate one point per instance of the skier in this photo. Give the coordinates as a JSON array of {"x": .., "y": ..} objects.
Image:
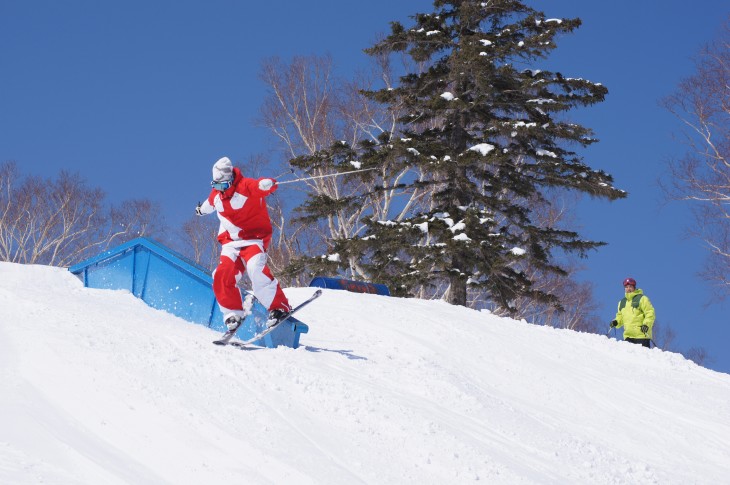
[
  {"x": 244, "y": 234},
  {"x": 636, "y": 314}
]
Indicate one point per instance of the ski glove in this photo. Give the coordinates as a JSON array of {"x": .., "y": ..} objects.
[
  {"x": 614, "y": 324},
  {"x": 266, "y": 184},
  {"x": 644, "y": 328},
  {"x": 198, "y": 211}
]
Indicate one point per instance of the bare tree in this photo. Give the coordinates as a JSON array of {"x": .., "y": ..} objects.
[
  {"x": 576, "y": 309},
  {"x": 308, "y": 111},
  {"x": 702, "y": 176},
  {"x": 200, "y": 241},
  {"x": 301, "y": 103},
  {"x": 664, "y": 336},
  {"x": 60, "y": 221},
  {"x": 698, "y": 355}
]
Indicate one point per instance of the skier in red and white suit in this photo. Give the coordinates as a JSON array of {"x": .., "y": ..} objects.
[{"x": 245, "y": 234}]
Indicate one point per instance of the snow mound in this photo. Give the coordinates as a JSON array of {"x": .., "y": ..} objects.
[{"x": 99, "y": 388}]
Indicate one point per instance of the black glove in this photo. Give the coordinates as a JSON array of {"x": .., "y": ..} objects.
[
  {"x": 644, "y": 328},
  {"x": 614, "y": 324},
  {"x": 198, "y": 211}
]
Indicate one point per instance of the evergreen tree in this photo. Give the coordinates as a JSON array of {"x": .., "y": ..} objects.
[{"x": 488, "y": 138}]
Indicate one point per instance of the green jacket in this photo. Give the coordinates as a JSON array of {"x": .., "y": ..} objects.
[{"x": 633, "y": 318}]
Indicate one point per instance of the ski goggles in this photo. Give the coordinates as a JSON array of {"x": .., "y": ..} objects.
[{"x": 222, "y": 186}]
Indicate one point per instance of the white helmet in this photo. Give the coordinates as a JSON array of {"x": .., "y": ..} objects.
[{"x": 223, "y": 170}]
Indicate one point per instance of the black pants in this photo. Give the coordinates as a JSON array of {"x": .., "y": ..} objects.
[{"x": 643, "y": 341}]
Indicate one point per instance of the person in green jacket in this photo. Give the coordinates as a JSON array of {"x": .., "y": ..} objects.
[{"x": 636, "y": 314}]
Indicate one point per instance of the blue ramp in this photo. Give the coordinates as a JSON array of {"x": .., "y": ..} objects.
[{"x": 168, "y": 281}]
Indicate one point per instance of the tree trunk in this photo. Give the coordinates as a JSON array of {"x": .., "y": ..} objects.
[
  {"x": 457, "y": 282},
  {"x": 457, "y": 291}
]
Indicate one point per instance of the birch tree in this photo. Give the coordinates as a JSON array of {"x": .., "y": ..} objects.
[
  {"x": 702, "y": 176},
  {"x": 62, "y": 221}
]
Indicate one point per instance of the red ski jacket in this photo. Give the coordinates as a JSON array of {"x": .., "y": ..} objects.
[{"x": 244, "y": 218}]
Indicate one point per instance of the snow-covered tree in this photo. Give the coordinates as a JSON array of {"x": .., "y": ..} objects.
[{"x": 486, "y": 131}]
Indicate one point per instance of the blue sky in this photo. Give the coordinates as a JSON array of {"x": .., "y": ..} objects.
[{"x": 142, "y": 97}]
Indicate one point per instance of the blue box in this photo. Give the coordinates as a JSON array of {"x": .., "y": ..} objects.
[
  {"x": 168, "y": 281},
  {"x": 350, "y": 285}
]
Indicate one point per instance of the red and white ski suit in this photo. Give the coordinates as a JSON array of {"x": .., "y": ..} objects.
[{"x": 244, "y": 234}]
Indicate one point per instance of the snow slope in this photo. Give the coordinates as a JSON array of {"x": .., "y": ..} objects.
[{"x": 96, "y": 387}]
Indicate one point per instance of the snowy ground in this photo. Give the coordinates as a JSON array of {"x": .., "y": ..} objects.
[{"x": 96, "y": 387}]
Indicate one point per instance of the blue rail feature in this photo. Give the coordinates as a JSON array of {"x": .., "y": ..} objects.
[{"x": 168, "y": 281}]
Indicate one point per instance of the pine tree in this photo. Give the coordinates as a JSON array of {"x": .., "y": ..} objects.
[{"x": 488, "y": 139}]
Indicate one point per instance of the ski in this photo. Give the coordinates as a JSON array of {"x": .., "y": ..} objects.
[
  {"x": 247, "y": 308},
  {"x": 226, "y": 338}
]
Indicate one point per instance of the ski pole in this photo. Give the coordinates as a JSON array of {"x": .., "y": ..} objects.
[
  {"x": 288, "y": 172},
  {"x": 650, "y": 339},
  {"x": 322, "y": 176}
]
